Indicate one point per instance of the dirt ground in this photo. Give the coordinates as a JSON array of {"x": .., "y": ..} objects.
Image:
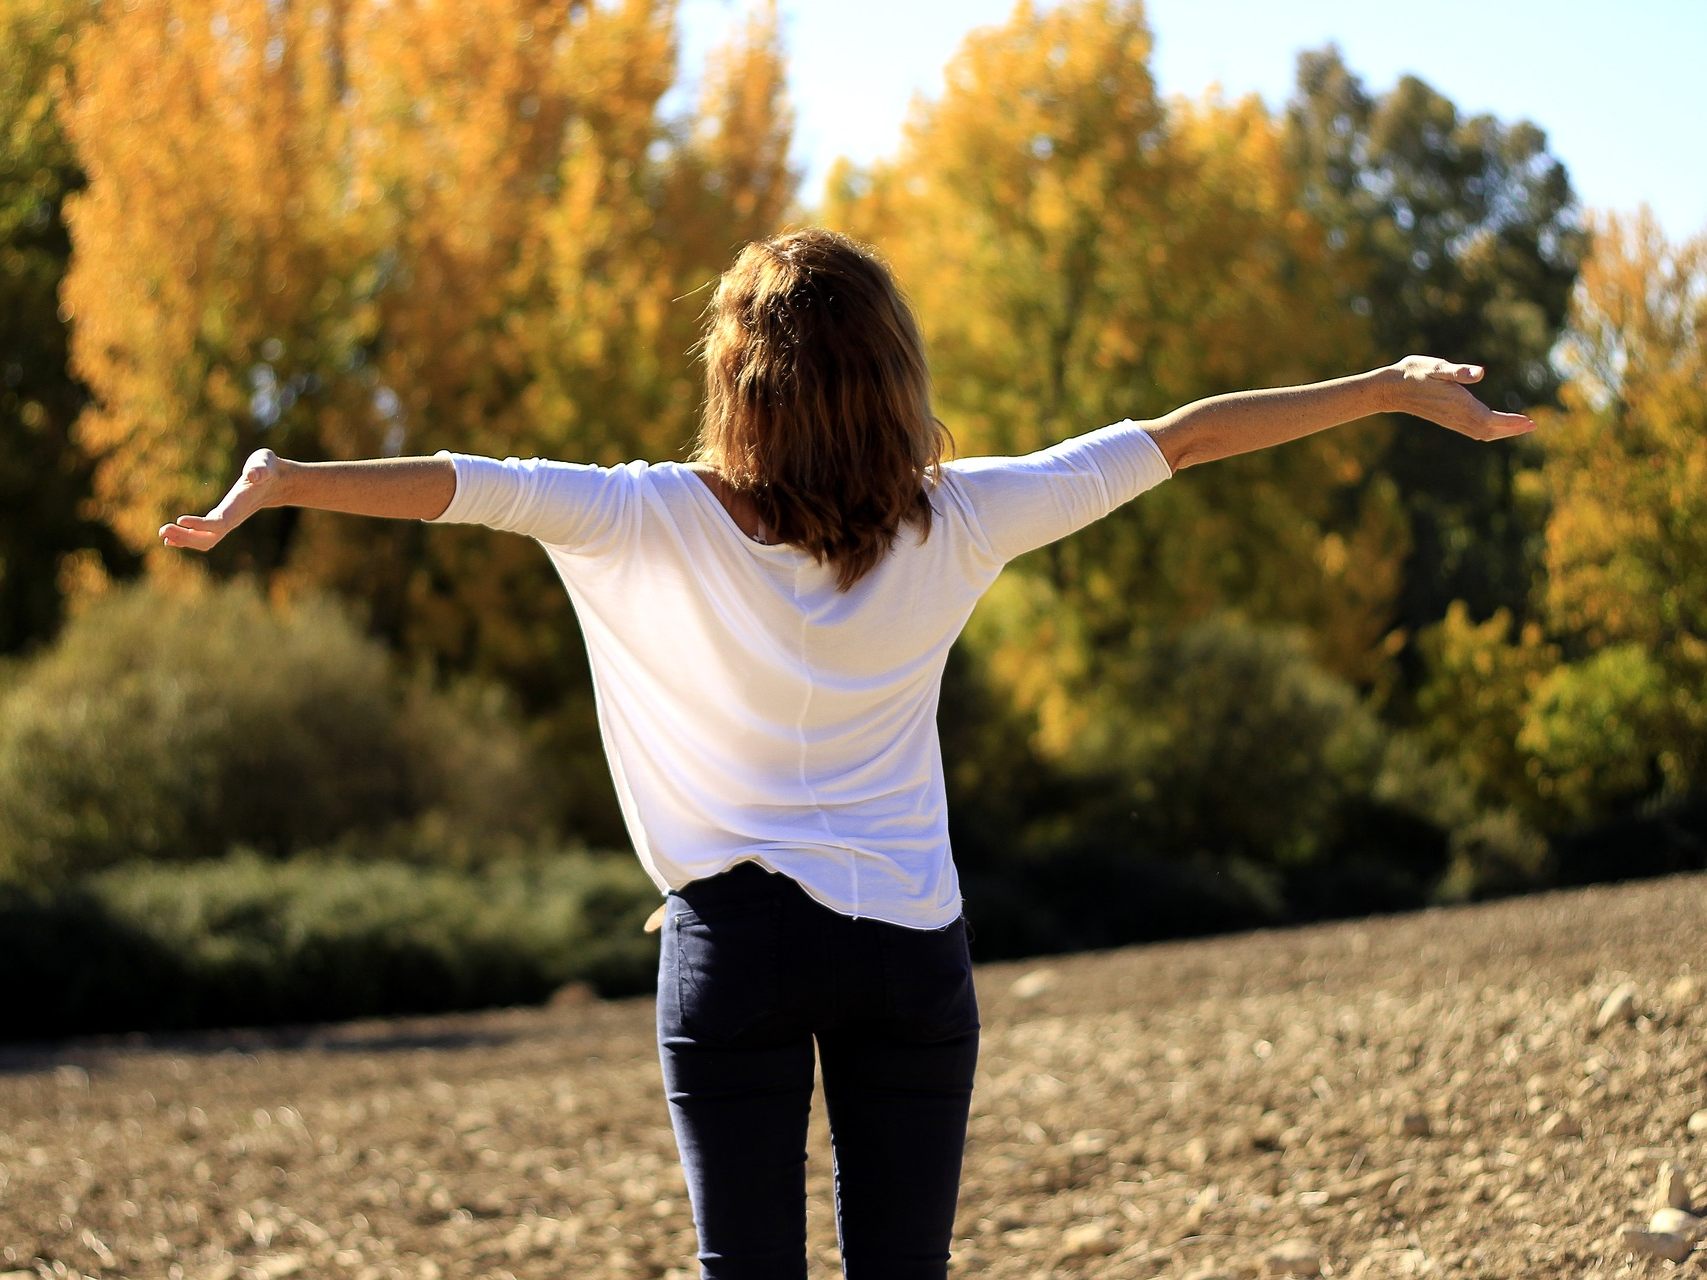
[{"x": 1417, "y": 1095}]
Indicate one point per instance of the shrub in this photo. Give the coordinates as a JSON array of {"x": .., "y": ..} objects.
[
  {"x": 1495, "y": 855},
  {"x": 245, "y": 940},
  {"x": 1597, "y": 732},
  {"x": 172, "y": 728},
  {"x": 1228, "y": 741}
]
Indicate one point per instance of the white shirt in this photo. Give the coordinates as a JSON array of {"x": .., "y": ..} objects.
[{"x": 749, "y": 709}]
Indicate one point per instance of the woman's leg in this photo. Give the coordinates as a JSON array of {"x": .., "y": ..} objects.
[
  {"x": 898, "y": 1089},
  {"x": 739, "y": 1084}
]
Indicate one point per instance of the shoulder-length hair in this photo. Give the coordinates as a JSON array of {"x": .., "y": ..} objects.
[{"x": 817, "y": 398}]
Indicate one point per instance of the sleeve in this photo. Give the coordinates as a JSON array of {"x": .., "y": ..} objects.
[
  {"x": 1020, "y": 504},
  {"x": 573, "y": 505}
]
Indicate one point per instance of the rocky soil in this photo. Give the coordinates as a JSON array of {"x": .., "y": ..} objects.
[{"x": 1503, "y": 1091}]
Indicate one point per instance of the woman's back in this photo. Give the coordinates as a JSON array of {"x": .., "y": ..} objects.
[{"x": 752, "y": 707}]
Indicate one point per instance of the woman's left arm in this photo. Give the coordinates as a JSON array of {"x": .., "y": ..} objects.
[{"x": 1243, "y": 421}]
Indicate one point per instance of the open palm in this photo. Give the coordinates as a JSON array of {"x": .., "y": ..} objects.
[
  {"x": 255, "y": 488},
  {"x": 1436, "y": 389}
]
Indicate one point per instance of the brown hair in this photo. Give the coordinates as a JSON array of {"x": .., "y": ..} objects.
[{"x": 817, "y": 398}]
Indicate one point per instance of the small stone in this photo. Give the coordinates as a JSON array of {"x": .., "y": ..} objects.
[
  {"x": 1673, "y": 1189},
  {"x": 1026, "y": 1239},
  {"x": 1683, "y": 991},
  {"x": 1390, "y": 1264},
  {"x": 1562, "y": 1124},
  {"x": 1088, "y": 1142},
  {"x": 1698, "y": 1123},
  {"x": 1087, "y": 1240},
  {"x": 1677, "y": 1222},
  {"x": 1620, "y": 1006},
  {"x": 1031, "y": 985},
  {"x": 1293, "y": 1258},
  {"x": 1415, "y": 1124},
  {"x": 1195, "y": 1153},
  {"x": 1656, "y": 1244}
]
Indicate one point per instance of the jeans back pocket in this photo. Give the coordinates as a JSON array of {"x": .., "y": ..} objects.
[{"x": 726, "y": 960}]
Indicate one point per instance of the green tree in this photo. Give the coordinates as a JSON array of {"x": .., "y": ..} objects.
[{"x": 1459, "y": 236}]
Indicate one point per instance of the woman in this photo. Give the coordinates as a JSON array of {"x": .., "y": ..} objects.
[{"x": 767, "y": 628}]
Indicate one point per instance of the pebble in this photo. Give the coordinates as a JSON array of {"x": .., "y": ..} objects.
[
  {"x": 1673, "y": 1189},
  {"x": 1562, "y": 1124},
  {"x": 1656, "y": 1244},
  {"x": 1029, "y": 986},
  {"x": 1088, "y": 1239},
  {"x": 1698, "y": 1123},
  {"x": 1684, "y": 990},
  {"x": 1389, "y": 1264},
  {"x": 1677, "y": 1222},
  {"x": 1620, "y": 1006},
  {"x": 1293, "y": 1258},
  {"x": 1415, "y": 1124}
]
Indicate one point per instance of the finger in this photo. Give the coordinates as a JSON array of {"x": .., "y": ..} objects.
[
  {"x": 1515, "y": 423},
  {"x": 177, "y": 535},
  {"x": 1491, "y": 425}
]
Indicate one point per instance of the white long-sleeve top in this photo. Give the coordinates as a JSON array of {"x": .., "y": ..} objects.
[{"x": 749, "y": 709}]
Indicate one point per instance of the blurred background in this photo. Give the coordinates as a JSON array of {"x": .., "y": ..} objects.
[{"x": 345, "y": 766}]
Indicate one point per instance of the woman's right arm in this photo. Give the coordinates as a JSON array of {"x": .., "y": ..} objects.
[{"x": 398, "y": 488}]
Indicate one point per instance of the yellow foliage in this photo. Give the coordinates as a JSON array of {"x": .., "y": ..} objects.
[
  {"x": 1624, "y": 468},
  {"x": 372, "y": 229},
  {"x": 1627, "y": 541},
  {"x": 1080, "y": 252},
  {"x": 1482, "y": 679}
]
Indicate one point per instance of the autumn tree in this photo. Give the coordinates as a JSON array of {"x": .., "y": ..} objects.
[
  {"x": 1625, "y": 473},
  {"x": 1081, "y": 252},
  {"x": 1455, "y": 235},
  {"x": 372, "y": 229},
  {"x": 47, "y": 537}
]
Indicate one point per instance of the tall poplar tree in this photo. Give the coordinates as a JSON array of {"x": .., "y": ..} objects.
[
  {"x": 1081, "y": 252},
  {"x": 370, "y": 229},
  {"x": 49, "y": 536},
  {"x": 1626, "y": 472}
]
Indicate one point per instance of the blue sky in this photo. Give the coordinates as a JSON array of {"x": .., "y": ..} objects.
[{"x": 1621, "y": 90}]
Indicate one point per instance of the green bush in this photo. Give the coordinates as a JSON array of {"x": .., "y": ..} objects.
[
  {"x": 1222, "y": 780},
  {"x": 245, "y": 940},
  {"x": 1597, "y": 732},
  {"x": 1495, "y": 855},
  {"x": 1227, "y": 741},
  {"x": 173, "y": 728}
]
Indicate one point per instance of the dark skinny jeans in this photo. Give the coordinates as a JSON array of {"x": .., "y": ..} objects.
[{"x": 752, "y": 972}]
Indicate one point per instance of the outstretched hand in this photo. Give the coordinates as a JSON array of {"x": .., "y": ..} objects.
[
  {"x": 1435, "y": 389},
  {"x": 256, "y": 488}
]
